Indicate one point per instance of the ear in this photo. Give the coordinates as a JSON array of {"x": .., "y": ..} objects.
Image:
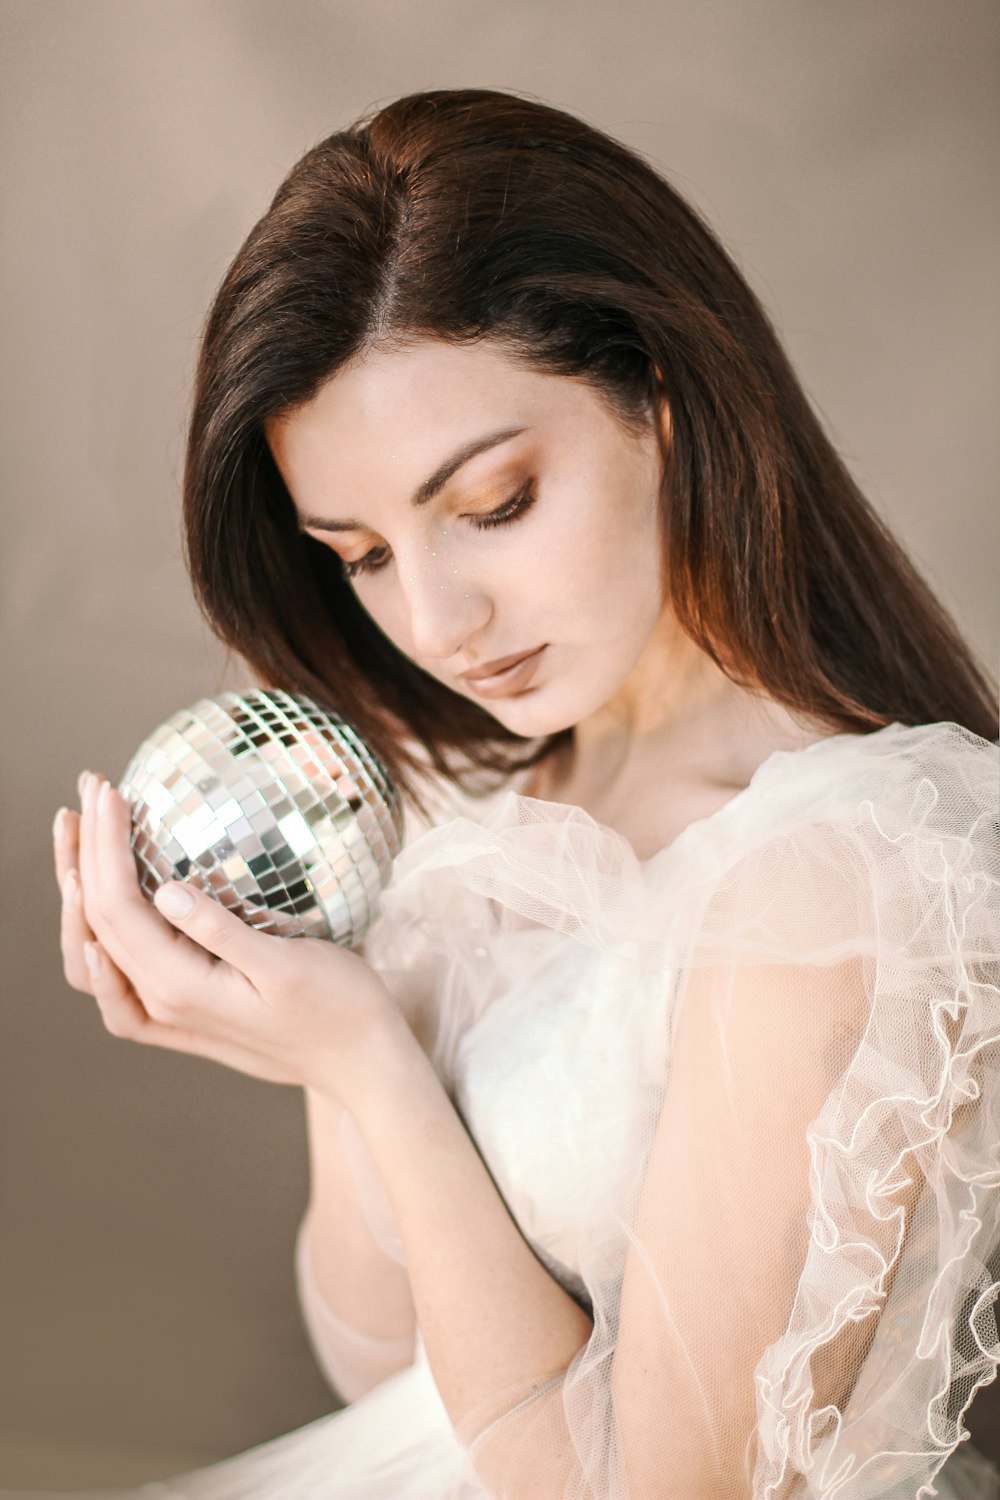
[{"x": 663, "y": 413}]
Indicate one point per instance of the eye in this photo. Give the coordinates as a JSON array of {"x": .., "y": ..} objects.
[
  {"x": 370, "y": 563},
  {"x": 517, "y": 505}
]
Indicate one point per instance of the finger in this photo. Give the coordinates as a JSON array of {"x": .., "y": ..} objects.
[
  {"x": 95, "y": 912},
  {"x": 199, "y": 917},
  {"x": 142, "y": 939},
  {"x": 99, "y": 914},
  {"x": 125, "y": 1017},
  {"x": 74, "y": 929},
  {"x": 99, "y": 907},
  {"x": 65, "y": 842},
  {"x": 120, "y": 1008},
  {"x": 85, "y": 848},
  {"x": 74, "y": 933}
]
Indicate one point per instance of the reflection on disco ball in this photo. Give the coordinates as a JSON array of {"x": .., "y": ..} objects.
[{"x": 272, "y": 804}]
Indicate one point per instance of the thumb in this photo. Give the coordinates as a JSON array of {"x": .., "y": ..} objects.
[{"x": 205, "y": 920}]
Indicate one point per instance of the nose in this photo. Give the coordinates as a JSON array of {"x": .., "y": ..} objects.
[{"x": 445, "y": 607}]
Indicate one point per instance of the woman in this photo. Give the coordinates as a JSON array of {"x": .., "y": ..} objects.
[{"x": 654, "y": 1130}]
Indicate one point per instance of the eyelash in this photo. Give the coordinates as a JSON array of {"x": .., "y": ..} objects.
[{"x": 518, "y": 505}]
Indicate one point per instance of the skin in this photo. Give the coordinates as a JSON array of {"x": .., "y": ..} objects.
[
  {"x": 451, "y": 596},
  {"x": 579, "y": 571},
  {"x": 661, "y": 735}
]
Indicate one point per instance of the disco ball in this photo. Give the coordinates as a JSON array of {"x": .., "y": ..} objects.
[{"x": 272, "y": 804}]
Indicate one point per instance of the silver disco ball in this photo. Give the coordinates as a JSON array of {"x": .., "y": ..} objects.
[{"x": 272, "y": 804}]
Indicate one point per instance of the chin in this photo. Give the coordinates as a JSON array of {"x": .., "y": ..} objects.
[{"x": 531, "y": 716}]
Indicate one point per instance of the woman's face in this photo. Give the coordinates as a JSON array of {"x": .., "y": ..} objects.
[{"x": 484, "y": 509}]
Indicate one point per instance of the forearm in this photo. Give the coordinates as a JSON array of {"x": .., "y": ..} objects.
[
  {"x": 348, "y": 1278},
  {"x": 492, "y": 1319}
]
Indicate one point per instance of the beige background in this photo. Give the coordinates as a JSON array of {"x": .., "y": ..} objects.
[{"x": 845, "y": 148}]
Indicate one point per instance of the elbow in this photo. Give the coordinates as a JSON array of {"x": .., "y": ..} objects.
[
  {"x": 352, "y": 1361},
  {"x": 349, "y": 1382},
  {"x": 354, "y": 1364}
]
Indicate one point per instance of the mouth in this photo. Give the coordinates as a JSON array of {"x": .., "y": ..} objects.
[{"x": 510, "y": 680}]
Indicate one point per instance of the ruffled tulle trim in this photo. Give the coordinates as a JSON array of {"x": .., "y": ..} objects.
[{"x": 907, "y": 817}]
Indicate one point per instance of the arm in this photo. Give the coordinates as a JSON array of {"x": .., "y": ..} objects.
[
  {"x": 661, "y": 1394},
  {"x": 492, "y": 1319},
  {"x": 355, "y": 1297},
  {"x": 353, "y": 1286},
  {"x": 716, "y": 1248},
  {"x": 722, "y": 1227}
]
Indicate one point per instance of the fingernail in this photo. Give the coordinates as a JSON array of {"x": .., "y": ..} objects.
[
  {"x": 93, "y": 958},
  {"x": 71, "y": 891},
  {"x": 102, "y": 796},
  {"x": 89, "y": 787},
  {"x": 59, "y": 827},
  {"x": 81, "y": 782},
  {"x": 174, "y": 900}
]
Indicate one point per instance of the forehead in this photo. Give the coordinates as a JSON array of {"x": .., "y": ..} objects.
[{"x": 390, "y": 415}]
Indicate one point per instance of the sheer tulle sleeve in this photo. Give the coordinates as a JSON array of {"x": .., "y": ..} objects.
[
  {"x": 794, "y": 1286},
  {"x": 352, "y": 1361}
]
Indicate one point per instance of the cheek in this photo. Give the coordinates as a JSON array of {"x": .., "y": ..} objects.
[
  {"x": 382, "y": 606},
  {"x": 611, "y": 571},
  {"x": 389, "y": 612}
]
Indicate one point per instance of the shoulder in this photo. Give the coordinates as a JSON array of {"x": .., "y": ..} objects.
[
  {"x": 945, "y": 753},
  {"x": 939, "y": 779},
  {"x": 876, "y": 843}
]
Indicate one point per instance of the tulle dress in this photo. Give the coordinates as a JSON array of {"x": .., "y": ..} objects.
[{"x": 743, "y": 1101}]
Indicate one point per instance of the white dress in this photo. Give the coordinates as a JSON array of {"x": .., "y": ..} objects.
[{"x": 743, "y": 1100}]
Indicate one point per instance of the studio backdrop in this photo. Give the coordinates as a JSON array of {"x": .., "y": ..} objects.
[{"x": 845, "y": 152}]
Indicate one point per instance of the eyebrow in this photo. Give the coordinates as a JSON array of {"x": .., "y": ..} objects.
[{"x": 431, "y": 486}]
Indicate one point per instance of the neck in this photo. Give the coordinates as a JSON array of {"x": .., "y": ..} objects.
[{"x": 679, "y": 715}]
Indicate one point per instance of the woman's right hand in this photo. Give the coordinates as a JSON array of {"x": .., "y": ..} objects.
[{"x": 121, "y": 1008}]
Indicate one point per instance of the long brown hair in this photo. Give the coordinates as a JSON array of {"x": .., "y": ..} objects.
[{"x": 474, "y": 214}]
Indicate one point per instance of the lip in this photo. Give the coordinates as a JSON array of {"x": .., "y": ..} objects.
[
  {"x": 509, "y": 679},
  {"x": 494, "y": 668}
]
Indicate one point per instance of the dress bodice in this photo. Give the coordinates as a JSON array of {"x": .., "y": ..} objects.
[{"x": 549, "y": 1084}]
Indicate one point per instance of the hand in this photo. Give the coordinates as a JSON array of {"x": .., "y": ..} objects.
[{"x": 289, "y": 1010}]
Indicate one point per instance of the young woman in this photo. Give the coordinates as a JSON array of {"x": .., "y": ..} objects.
[{"x": 654, "y": 1129}]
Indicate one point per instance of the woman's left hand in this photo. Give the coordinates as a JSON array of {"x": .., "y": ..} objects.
[{"x": 302, "y": 1011}]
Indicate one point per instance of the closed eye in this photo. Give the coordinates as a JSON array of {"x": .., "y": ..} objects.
[{"x": 517, "y": 506}]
